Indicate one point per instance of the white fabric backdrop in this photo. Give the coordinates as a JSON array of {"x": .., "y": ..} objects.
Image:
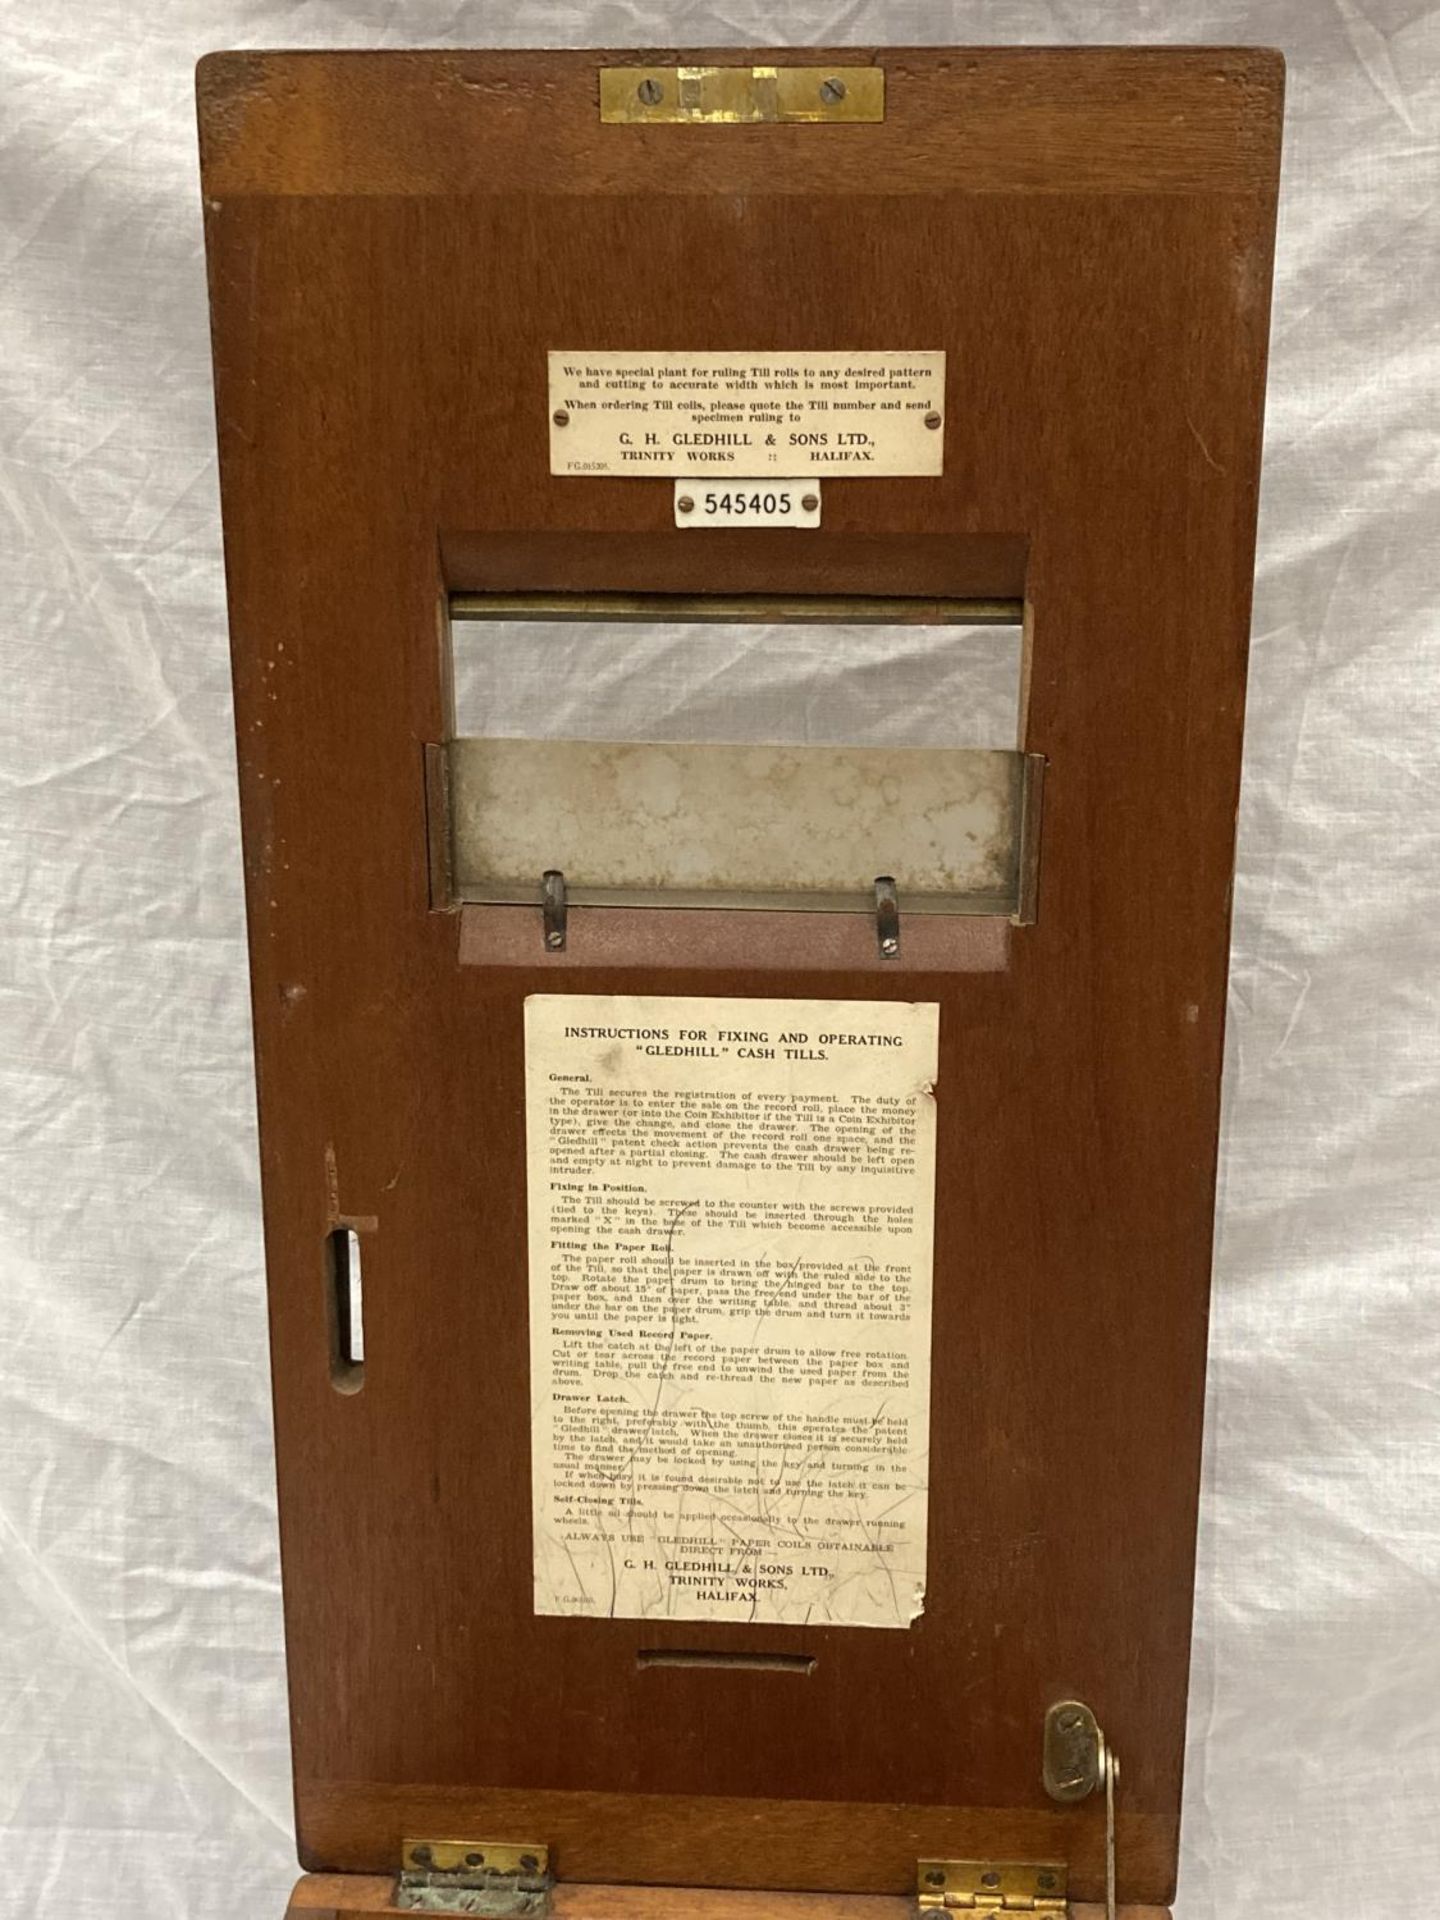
[{"x": 143, "y": 1770}]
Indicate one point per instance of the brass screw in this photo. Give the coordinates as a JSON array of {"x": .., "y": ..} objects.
[
  {"x": 935, "y": 1878},
  {"x": 474, "y": 1859},
  {"x": 989, "y": 1879},
  {"x": 528, "y": 1863},
  {"x": 422, "y": 1856},
  {"x": 932, "y": 420},
  {"x": 650, "y": 93},
  {"x": 685, "y": 504},
  {"x": 810, "y": 501},
  {"x": 832, "y": 92},
  {"x": 560, "y": 417},
  {"x": 1045, "y": 1881}
]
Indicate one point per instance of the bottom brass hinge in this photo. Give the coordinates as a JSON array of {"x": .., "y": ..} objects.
[
  {"x": 992, "y": 1886},
  {"x": 495, "y": 1878}
]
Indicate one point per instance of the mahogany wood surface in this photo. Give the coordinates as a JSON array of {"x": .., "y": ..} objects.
[
  {"x": 347, "y": 1896},
  {"x": 394, "y": 242},
  {"x": 783, "y": 1842},
  {"x": 756, "y": 938}
]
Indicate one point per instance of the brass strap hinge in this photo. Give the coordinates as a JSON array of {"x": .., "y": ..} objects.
[
  {"x": 499, "y": 1879},
  {"x": 992, "y": 1886}
]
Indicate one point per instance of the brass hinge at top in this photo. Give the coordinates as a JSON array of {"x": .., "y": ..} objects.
[
  {"x": 740, "y": 96},
  {"x": 992, "y": 1886},
  {"x": 503, "y": 1880}
]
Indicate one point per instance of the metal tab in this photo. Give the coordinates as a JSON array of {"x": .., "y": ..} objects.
[
  {"x": 1077, "y": 1762},
  {"x": 1073, "y": 1764},
  {"x": 554, "y": 910},
  {"x": 740, "y": 96},
  {"x": 992, "y": 1886},
  {"x": 887, "y": 917},
  {"x": 1027, "y": 887},
  {"x": 494, "y": 1878}
]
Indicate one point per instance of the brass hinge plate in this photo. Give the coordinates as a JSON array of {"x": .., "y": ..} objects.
[
  {"x": 500, "y": 1879},
  {"x": 740, "y": 96},
  {"x": 992, "y": 1886}
]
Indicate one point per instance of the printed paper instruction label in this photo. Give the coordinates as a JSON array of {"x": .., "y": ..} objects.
[
  {"x": 731, "y": 1215},
  {"x": 801, "y": 414}
]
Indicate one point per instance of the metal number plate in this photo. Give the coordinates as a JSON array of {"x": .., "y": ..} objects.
[{"x": 727, "y": 502}]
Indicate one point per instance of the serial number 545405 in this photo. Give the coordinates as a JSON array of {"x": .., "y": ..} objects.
[
  {"x": 747, "y": 503},
  {"x": 743, "y": 503}
]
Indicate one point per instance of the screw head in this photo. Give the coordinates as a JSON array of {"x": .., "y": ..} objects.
[
  {"x": 474, "y": 1859},
  {"x": 932, "y": 420},
  {"x": 649, "y": 92},
  {"x": 554, "y": 941},
  {"x": 685, "y": 504},
  {"x": 935, "y": 1877},
  {"x": 832, "y": 92},
  {"x": 422, "y": 1856},
  {"x": 560, "y": 417},
  {"x": 991, "y": 1879},
  {"x": 889, "y": 946},
  {"x": 810, "y": 501},
  {"x": 1045, "y": 1881},
  {"x": 528, "y": 1863}
]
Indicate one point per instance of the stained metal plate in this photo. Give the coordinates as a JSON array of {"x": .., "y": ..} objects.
[{"x": 763, "y": 826}]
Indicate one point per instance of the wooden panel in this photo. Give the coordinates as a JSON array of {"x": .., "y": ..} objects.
[
  {"x": 394, "y": 242},
  {"x": 757, "y": 940},
  {"x": 627, "y": 557},
  {"x": 1119, "y": 120},
  {"x": 773, "y": 1842},
  {"x": 341, "y": 1896}
]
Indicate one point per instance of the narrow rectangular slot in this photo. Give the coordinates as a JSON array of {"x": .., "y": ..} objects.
[
  {"x": 347, "y": 1310},
  {"x": 708, "y": 1657},
  {"x": 760, "y": 609}
]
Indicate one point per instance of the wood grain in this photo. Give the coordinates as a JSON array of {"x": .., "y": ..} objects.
[
  {"x": 727, "y": 1841},
  {"x": 346, "y": 1896},
  {"x": 757, "y": 939},
  {"x": 394, "y": 242},
  {"x": 1015, "y": 120}
]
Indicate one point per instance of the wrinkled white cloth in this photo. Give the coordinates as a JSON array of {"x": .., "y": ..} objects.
[{"x": 143, "y": 1769}]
